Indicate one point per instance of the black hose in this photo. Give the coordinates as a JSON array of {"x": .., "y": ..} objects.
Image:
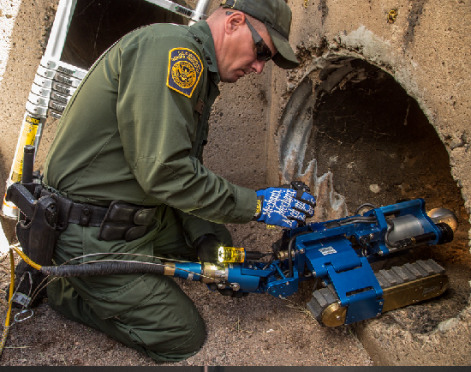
[
  {"x": 290, "y": 255},
  {"x": 103, "y": 268},
  {"x": 358, "y": 219},
  {"x": 290, "y": 249},
  {"x": 364, "y": 205}
]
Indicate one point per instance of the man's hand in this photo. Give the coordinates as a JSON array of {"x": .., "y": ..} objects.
[
  {"x": 284, "y": 207},
  {"x": 207, "y": 248}
]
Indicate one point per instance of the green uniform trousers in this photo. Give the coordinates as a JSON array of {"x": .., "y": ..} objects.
[{"x": 147, "y": 312}]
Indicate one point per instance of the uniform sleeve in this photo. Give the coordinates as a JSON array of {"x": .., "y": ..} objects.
[
  {"x": 158, "y": 123},
  {"x": 195, "y": 227}
]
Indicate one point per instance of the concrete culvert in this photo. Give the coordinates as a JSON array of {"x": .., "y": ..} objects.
[{"x": 355, "y": 136}]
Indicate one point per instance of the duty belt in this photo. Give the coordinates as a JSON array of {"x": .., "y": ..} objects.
[
  {"x": 79, "y": 213},
  {"x": 120, "y": 221}
]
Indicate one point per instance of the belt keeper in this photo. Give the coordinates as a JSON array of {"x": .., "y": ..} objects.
[{"x": 85, "y": 216}]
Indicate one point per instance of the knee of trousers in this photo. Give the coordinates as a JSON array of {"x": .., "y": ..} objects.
[
  {"x": 179, "y": 343},
  {"x": 166, "y": 327}
]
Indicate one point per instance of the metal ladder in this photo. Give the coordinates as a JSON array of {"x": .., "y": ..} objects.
[{"x": 56, "y": 81}]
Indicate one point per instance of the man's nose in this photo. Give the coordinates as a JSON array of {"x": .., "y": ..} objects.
[{"x": 258, "y": 66}]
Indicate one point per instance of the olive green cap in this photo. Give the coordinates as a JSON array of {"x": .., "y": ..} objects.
[{"x": 276, "y": 15}]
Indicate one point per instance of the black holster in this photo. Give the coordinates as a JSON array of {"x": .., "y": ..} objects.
[
  {"x": 37, "y": 231},
  {"x": 38, "y": 235}
]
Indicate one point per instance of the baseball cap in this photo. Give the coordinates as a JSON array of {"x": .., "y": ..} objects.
[{"x": 276, "y": 15}]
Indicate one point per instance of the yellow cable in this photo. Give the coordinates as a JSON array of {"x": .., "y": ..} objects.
[
  {"x": 26, "y": 258},
  {"x": 10, "y": 296}
]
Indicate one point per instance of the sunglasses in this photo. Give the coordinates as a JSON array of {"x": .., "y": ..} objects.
[{"x": 263, "y": 51}]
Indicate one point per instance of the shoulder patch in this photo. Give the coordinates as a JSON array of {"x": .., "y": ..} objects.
[{"x": 184, "y": 71}]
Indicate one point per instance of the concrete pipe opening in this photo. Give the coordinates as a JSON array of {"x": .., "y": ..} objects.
[
  {"x": 96, "y": 25},
  {"x": 355, "y": 135}
]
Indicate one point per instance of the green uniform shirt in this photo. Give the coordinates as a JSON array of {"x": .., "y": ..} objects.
[{"x": 135, "y": 129}]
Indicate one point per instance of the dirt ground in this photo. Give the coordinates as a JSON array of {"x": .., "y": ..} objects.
[{"x": 256, "y": 330}]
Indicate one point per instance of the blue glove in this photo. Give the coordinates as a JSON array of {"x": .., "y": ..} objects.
[{"x": 284, "y": 207}]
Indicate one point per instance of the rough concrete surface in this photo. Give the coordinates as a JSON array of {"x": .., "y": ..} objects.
[{"x": 377, "y": 111}]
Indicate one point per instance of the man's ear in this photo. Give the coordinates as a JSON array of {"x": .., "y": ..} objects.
[{"x": 234, "y": 21}]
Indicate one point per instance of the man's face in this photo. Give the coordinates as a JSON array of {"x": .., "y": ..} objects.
[{"x": 239, "y": 56}]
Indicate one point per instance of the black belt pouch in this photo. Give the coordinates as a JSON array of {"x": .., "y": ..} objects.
[{"x": 124, "y": 221}]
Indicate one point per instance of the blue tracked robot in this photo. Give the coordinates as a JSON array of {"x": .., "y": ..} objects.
[{"x": 339, "y": 253}]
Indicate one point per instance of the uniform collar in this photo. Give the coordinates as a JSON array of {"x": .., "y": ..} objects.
[{"x": 202, "y": 34}]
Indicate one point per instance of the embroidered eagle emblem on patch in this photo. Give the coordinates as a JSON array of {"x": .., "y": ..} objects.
[{"x": 184, "y": 71}]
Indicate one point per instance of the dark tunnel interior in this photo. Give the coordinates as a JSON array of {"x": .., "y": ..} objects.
[{"x": 97, "y": 24}]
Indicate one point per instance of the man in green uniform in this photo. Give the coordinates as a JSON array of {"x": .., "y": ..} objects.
[{"x": 134, "y": 132}]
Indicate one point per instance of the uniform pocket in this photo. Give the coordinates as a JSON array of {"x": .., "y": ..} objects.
[{"x": 110, "y": 295}]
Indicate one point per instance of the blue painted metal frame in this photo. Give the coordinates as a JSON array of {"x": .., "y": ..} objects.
[{"x": 338, "y": 263}]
